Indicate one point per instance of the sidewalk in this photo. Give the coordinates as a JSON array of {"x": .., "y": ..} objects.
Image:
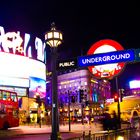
[{"x": 32, "y": 130}]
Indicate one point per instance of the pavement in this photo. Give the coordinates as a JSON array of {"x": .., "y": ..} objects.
[{"x": 76, "y": 130}]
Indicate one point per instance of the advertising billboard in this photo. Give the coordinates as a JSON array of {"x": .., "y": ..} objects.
[
  {"x": 37, "y": 87},
  {"x": 134, "y": 84},
  {"x": 22, "y": 44},
  {"x": 22, "y": 62}
]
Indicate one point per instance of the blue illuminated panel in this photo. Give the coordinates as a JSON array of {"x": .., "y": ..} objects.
[{"x": 106, "y": 58}]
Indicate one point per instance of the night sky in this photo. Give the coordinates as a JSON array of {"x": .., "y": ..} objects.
[{"x": 82, "y": 23}]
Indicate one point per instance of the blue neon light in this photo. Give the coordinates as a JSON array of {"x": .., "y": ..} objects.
[{"x": 106, "y": 58}]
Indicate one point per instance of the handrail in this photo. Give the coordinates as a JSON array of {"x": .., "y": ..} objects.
[{"x": 127, "y": 134}]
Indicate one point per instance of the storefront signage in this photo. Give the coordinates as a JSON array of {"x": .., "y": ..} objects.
[
  {"x": 21, "y": 44},
  {"x": 106, "y": 58}
]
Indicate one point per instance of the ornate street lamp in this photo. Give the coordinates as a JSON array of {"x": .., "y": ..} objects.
[{"x": 54, "y": 38}]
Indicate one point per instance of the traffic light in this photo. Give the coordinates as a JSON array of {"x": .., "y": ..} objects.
[
  {"x": 85, "y": 97},
  {"x": 61, "y": 105},
  {"x": 116, "y": 98},
  {"x": 38, "y": 100},
  {"x": 87, "y": 103},
  {"x": 121, "y": 91},
  {"x": 73, "y": 99},
  {"x": 81, "y": 95}
]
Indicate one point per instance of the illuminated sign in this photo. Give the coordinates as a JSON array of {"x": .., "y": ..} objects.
[
  {"x": 21, "y": 67},
  {"x": 37, "y": 87},
  {"x": 18, "y": 67},
  {"x": 112, "y": 62},
  {"x": 67, "y": 64},
  {"x": 137, "y": 54},
  {"x": 16, "y": 82},
  {"x": 134, "y": 84},
  {"x": 13, "y": 42},
  {"x": 106, "y": 58},
  {"x": 20, "y": 91}
]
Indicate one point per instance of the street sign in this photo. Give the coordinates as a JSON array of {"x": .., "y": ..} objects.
[
  {"x": 67, "y": 64},
  {"x": 137, "y": 54},
  {"x": 106, "y": 58}
]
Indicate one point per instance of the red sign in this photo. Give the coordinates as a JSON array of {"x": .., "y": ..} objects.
[{"x": 107, "y": 70}]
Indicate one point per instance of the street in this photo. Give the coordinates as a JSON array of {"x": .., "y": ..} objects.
[
  {"x": 36, "y": 133},
  {"x": 30, "y": 132},
  {"x": 64, "y": 136}
]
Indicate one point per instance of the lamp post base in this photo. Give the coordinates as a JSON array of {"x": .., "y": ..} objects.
[{"x": 56, "y": 136}]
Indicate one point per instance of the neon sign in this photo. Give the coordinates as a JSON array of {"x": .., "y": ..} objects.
[{"x": 12, "y": 42}]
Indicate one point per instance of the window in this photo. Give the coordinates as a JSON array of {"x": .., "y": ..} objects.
[
  {"x": 2, "y": 112},
  {"x": 0, "y": 95},
  {"x": 13, "y": 97},
  {"x": 6, "y": 95},
  {"x": 15, "y": 112}
]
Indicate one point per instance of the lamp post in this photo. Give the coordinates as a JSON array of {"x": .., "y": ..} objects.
[
  {"x": 54, "y": 38},
  {"x": 118, "y": 105},
  {"x": 69, "y": 111}
]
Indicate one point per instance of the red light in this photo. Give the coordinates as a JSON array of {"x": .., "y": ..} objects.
[{"x": 116, "y": 98}]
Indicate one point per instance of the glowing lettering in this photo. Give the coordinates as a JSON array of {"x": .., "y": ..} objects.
[
  {"x": 106, "y": 58},
  {"x": 26, "y": 47},
  {"x": 38, "y": 45},
  {"x": 66, "y": 64},
  {"x": 12, "y": 42}
]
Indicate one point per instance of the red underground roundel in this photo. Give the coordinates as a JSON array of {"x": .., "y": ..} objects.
[{"x": 106, "y": 70}]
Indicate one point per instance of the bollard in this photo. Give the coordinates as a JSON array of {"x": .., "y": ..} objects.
[
  {"x": 59, "y": 136},
  {"x": 89, "y": 134},
  {"x": 83, "y": 135}
]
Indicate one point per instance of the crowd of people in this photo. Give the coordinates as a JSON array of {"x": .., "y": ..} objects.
[{"x": 110, "y": 122}]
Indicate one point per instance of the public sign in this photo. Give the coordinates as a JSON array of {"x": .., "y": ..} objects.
[
  {"x": 67, "y": 64},
  {"x": 107, "y": 58}
]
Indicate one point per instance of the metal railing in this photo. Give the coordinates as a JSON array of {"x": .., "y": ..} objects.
[{"x": 123, "y": 134}]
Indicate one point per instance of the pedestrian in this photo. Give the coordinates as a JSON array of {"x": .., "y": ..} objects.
[
  {"x": 106, "y": 121},
  {"x": 39, "y": 121},
  {"x": 114, "y": 121},
  {"x": 28, "y": 119}
]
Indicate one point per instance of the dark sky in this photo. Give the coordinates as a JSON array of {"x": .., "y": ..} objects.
[{"x": 82, "y": 23}]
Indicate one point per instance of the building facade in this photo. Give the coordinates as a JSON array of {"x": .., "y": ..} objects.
[{"x": 84, "y": 94}]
